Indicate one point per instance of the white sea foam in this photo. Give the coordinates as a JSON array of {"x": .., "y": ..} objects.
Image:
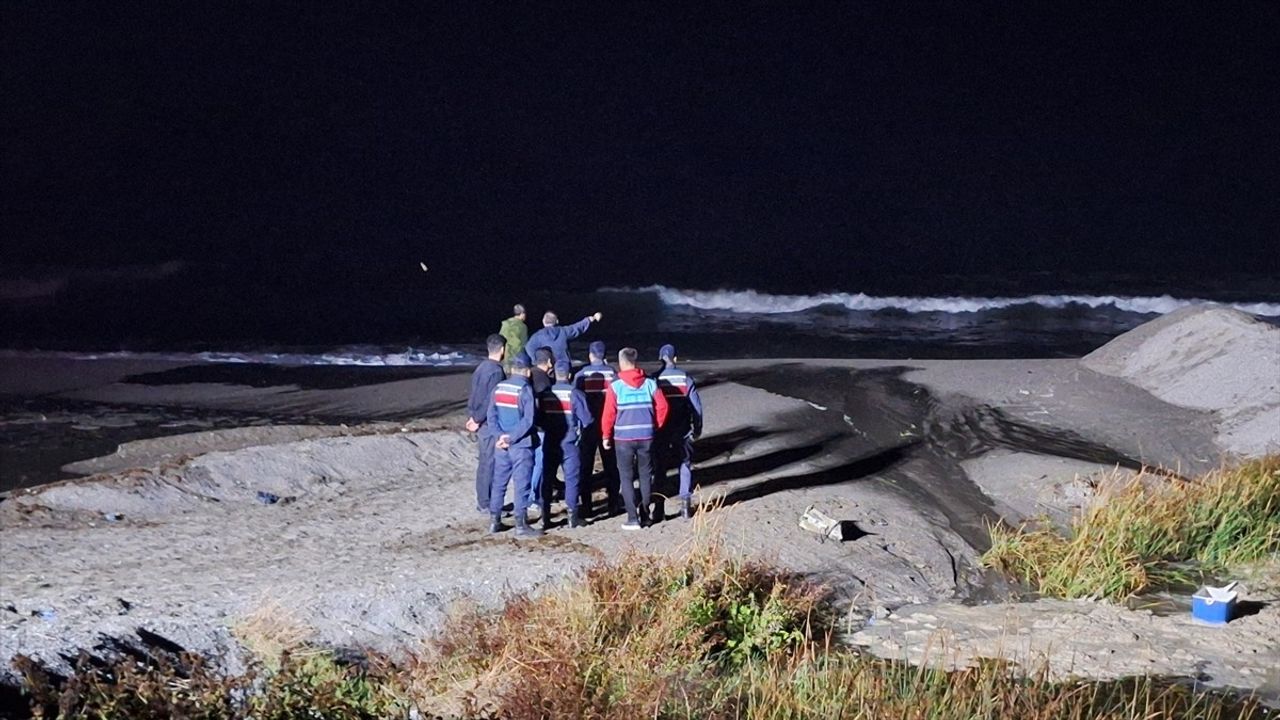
[
  {"x": 757, "y": 303},
  {"x": 367, "y": 357}
]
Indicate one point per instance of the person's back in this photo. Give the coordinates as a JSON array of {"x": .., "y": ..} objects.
[
  {"x": 511, "y": 416},
  {"x": 685, "y": 415},
  {"x": 594, "y": 378},
  {"x": 634, "y": 410},
  {"x": 684, "y": 425},
  {"x": 564, "y": 414},
  {"x": 634, "y": 417},
  {"x": 593, "y": 381},
  {"x": 515, "y": 332},
  {"x": 555, "y": 412},
  {"x": 540, "y": 381},
  {"x": 556, "y": 337},
  {"x": 563, "y": 408},
  {"x": 485, "y": 378}
]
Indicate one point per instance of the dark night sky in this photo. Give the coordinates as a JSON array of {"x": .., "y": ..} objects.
[{"x": 749, "y": 145}]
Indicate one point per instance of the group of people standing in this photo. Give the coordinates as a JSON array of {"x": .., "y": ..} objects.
[{"x": 535, "y": 417}]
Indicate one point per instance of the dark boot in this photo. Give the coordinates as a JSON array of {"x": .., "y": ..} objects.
[
  {"x": 523, "y": 529},
  {"x": 686, "y": 508},
  {"x": 495, "y": 522},
  {"x": 575, "y": 519}
]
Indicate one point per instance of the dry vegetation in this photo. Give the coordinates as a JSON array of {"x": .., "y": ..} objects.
[
  {"x": 1150, "y": 531},
  {"x": 696, "y": 633}
]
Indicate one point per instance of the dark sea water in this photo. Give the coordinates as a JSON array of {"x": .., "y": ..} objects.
[{"x": 417, "y": 318}]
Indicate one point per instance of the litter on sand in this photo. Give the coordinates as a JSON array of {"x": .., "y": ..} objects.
[{"x": 815, "y": 521}]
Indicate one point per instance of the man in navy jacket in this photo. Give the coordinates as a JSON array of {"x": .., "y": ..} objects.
[
  {"x": 511, "y": 418},
  {"x": 593, "y": 380},
  {"x": 563, "y": 414},
  {"x": 556, "y": 337},
  {"x": 485, "y": 378},
  {"x": 683, "y": 427},
  {"x": 541, "y": 380}
]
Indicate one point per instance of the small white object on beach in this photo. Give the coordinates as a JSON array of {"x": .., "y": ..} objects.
[
  {"x": 423, "y": 266},
  {"x": 818, "y": 522}
]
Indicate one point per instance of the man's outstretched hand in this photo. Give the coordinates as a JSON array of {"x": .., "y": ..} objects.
[{"x": 598, "y": 317}]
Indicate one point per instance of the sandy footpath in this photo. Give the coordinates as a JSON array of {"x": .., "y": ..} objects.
[{"x": 365, "y": 529}]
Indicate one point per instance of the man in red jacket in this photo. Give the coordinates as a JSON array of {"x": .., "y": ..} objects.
[{"x": 634, "y": 410}]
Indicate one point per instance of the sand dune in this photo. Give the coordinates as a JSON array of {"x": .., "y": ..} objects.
[{"x": 366, "y": 531}]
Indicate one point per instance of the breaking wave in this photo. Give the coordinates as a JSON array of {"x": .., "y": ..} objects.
[
  {"x": 353, "y": 356},
  {"x": 757, "y": 303}
]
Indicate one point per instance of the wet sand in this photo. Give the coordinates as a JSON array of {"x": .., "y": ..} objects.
[{"x": 55, "y": 412}]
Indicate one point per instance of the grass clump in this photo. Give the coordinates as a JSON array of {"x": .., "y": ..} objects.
[
  {"x": 1149, "y": 532},
  {"x": 161, "y": 687},
  {"x": 638, "y": 636},
  {"x": 839, "y": 684}
]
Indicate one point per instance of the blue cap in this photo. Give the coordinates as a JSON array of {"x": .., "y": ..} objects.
[
  {"x": 596, "y": 348},
  {"x": 563, "y": 367},
  {"x": 521, "y": 362},
  {"x": 667, "y": 352}
]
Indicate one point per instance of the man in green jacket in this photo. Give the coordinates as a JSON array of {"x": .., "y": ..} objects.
[{"x": 516, "y": 333}]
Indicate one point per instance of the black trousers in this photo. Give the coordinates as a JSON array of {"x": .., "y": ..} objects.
[
  {"x": 635, "y": 462},
  {"x": 590, "y": 445},
  {"x": 484, "y": 468}
]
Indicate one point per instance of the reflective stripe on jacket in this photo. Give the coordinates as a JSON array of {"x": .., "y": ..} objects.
[
  {"x": 636, "y": 418},
  {"x": 593, "y": 380}
]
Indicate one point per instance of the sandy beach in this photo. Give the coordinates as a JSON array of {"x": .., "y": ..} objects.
[{"x": 344, "y": 495}]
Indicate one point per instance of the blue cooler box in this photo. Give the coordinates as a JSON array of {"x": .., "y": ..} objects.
[{"x": 1214, "y": 605}]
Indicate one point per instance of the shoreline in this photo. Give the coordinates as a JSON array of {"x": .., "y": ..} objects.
[{"x": 108, "y": 402}]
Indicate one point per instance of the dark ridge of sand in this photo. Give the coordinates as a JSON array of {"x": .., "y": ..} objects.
[{"x": 58, "y": 413}]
